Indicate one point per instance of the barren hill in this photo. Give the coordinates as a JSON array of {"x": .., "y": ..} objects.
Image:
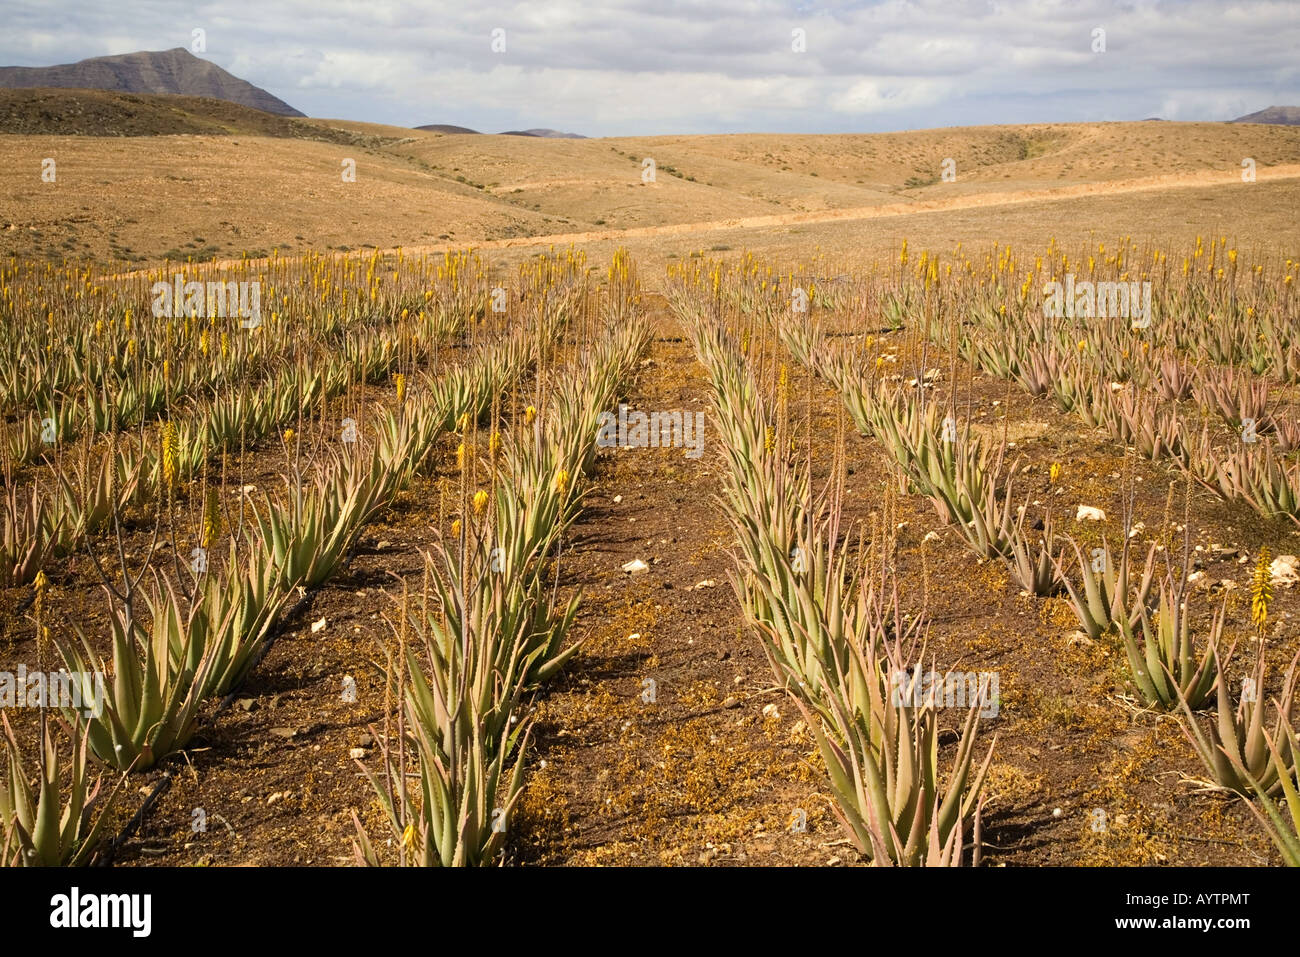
[
  {"x": 166, "y": 71},
  {"x": 67, "y": 112},
  {"x": 263, "y": 190},
  {"x": 1281, "y": 115}
]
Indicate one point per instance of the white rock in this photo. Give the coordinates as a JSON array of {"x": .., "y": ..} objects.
[
  {"x": 357, "y": 753},
  {"x": 930, "y": 537},
  {"x": 317, "y": 625},
  {"x": 636, "y": 567},
  {"x": 617, "y": 499},
  {"x": 771, "y": 711},
  {"x": 1285, "y": 570},
  {"x": 1087, "y": 513},
  {"x": 707, "y": 583}
]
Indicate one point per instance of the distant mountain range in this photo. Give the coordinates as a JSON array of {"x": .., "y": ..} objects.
[
  {"x": 166, "y": 71},
  {"x": 1277, "y": 115},
  {"x": 543, "y": 133}
]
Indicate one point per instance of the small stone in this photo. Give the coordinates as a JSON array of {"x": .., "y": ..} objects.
[
  {"x": 636, "y": 567},
  {"x": 1087, "y": 513},
  {"x": 707, "y": 583},
  {"x": 318, "y": 625},
  {"x": 284, "y": 732},
  {"x": 771, "y": 711},
  {"x": 1057, "y": 812},
  {"x": 274, "y": 797},
  {"x": 246, "y": 704},
  {"x": 618, "y": 499},
  {"x": 357, "y": 753},
  {"x": 365, "y": 741}
]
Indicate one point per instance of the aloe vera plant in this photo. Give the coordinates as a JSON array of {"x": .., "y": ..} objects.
[
  {"x": 1102, "y": 597},
  {"x": 29, "y": 534},
  {"x": 1236, "y": 751},
  {"x": 1234, "y": 395},
  {"x": 1030, "y": 555},
  {"x": 469, "y": 783},
  {"x": 1282, "y": 824},
  {"x": 1263, "y": 479},
  {"x": 150, "y": 709},
  {"x": 1164, "y": 666},
  {"x": 38, "y": 826},
  {"x": 228, "y": 620},
  {"x": 883, "y": 760}
]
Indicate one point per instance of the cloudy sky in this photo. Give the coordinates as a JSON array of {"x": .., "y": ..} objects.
[{"x": 640, "y": 67}]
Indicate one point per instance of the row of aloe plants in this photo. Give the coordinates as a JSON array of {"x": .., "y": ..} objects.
[
  {"x": 833, "y": 630},
  {"x": 487, "y": 626}
]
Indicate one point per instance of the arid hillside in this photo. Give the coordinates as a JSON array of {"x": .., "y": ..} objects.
[{"x": 226, "y": 183}]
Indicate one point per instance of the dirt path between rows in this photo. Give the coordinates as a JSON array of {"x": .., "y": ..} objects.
[{"x": 664, "y": 741}]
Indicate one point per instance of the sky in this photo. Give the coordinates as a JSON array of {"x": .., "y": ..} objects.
[{"x": 650, "y": 67}]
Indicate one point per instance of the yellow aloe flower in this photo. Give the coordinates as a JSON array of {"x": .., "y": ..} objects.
[
  {"x": 530, "y": 414},
  {"x": 40, "y": 584},
  {"x": 1261, "y": 590},
  {"x": 169, "y": 453},
  {"x": 480, "y": 502},
  {"x": 1054, "y": 473},
  {"x": 561, "y": 481},
  {"x": 211, "y": 518}
]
